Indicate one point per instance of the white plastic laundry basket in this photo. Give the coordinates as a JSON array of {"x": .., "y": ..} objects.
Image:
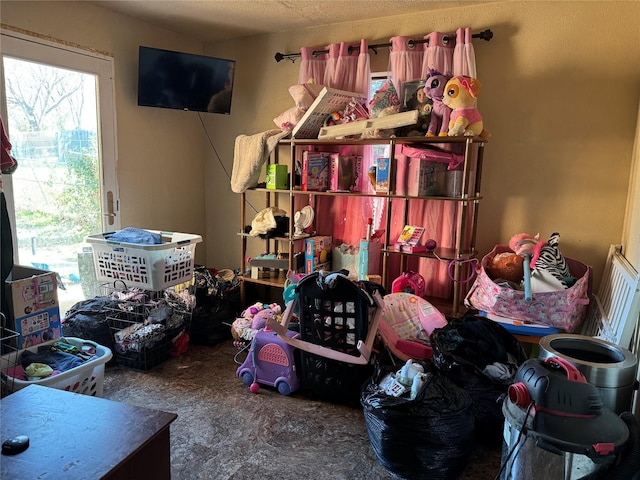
[{"x": 150, "y": 267}]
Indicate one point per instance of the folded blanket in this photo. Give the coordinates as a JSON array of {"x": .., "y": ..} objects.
[
  {"x": 135, "y": 235},
  {"x": 250, "y": 153}
]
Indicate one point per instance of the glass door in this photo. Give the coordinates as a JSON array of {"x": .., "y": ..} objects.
[{"x": 58, "y": 112}]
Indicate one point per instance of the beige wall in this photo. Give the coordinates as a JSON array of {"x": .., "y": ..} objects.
[
  {"x": 561, "y": 89},
  {"x": 160, "y": 152},
  {"x": 631, "y": 232}
]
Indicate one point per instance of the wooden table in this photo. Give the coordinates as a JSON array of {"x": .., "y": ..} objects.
[{"x": 75, "y": 436}]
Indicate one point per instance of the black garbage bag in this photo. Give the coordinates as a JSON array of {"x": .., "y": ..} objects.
[
  {"x": 430, "y": 437},
  {"x": 481, "y": 357},
  {"x": 88, "y": 320},
  {"x": 217, "y": 306}
]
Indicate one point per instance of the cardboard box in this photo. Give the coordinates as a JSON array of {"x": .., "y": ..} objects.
[
  {"x": 425, "y": 178},
  {"x": 383, "y": 180},
  {"x": 315, "y": 171},
  {"x": 344, "y": 172},
  {"x": 317, "y": 253},
  {"x": 347, "y": 257},
  {"x": 277, "y": 177},
  {"x": 33, "y": 301}
]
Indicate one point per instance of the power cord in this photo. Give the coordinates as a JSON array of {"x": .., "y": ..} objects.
[
  {"x": 218, "y": 156},
  {"x": 523, "y": 428}
]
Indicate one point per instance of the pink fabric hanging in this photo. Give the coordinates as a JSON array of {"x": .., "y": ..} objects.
[
  {"x": 350, "y": 214},
  {"x": 464, "y": 56},
  {"x": 346, "y": 69},
  {"x": 312, "y": 66},
  {"x": 405, "y": 59},
  {"x": 439, "y": 53},
  {"x": 439, "y": 218},
  {"x": 330, "y": 75},
  {"x": 345, "y": 217},
  {"x": 363, "y": 74}
]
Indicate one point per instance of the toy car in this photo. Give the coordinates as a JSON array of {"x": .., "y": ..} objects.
[{"x": 270, "y": 361}]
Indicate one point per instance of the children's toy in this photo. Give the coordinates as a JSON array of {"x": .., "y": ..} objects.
[
  {"x": 271, "y": 362},
  {"x": 409, "y": 282},
  {"x": 251, "y": 320},
  {"x": 460, "y": 95},
  {"x": 506, "y": 266},
  {"x": 441, "y": 112},
  {"x": 524, "y": 244},
  {"x": 550, "y": 269},
  {"x": 407, "y": 322}
]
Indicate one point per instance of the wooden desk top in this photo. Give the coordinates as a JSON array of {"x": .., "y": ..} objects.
[{"x": 73, "y": 436}]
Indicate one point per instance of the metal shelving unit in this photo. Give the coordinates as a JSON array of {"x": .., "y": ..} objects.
[{"x": 465, "y": 221}]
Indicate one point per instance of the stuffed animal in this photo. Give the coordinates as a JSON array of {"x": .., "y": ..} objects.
[
  {"x": 260, "y": 319},
  {"x": 440, "y": 112},
  {"x": 506, "y": 266},
  {"x": 460, "y": 95},
  {"x": 524, "y": 244},
  {"x": 252, "y": 319},
  {"x": 548, "y": 263}
]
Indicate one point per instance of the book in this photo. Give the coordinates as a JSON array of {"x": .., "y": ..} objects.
[{"x": 328, "y": 101}]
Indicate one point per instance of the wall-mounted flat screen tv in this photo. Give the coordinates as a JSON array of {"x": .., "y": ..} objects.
[{"x": 184, "y": 81}]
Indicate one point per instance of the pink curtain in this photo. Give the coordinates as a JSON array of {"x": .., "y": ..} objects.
[
  {"x": 405, "y": 59},
  {"x": 439, "y": 218},
  {"x": 346, "y": 217},
  {"x": 439, "y": 53},
  {"x": 312, "y": 66},
  {"x": 464, "y": 56}
]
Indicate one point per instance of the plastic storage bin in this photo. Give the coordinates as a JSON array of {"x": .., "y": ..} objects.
[
  {"x": 86, "y": 379},
  {"x": 150, "y": 267}
]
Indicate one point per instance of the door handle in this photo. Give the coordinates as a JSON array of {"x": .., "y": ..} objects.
[{"x": 111, "y": 215}]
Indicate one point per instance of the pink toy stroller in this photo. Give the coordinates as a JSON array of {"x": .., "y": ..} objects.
[{"x": 407, "y": 321}]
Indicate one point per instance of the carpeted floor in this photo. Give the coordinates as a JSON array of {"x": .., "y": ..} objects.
[{"x": 224, "y": 432}]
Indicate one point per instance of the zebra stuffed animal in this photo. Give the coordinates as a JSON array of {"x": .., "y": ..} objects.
[{"x": 547, "y": 259}]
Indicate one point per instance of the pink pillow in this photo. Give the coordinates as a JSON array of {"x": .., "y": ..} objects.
[
  {"x": 288, "y": 119},
  {"x": 304, "y": 94}
]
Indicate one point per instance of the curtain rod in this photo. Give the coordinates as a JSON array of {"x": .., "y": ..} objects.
[{"x": 484, "y": 35}]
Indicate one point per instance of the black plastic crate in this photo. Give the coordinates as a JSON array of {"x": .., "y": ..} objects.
[
  {"x": 326, "y": 379},
  {"x": 146, "y": 359},
  {"x": 336, "y": 313}
]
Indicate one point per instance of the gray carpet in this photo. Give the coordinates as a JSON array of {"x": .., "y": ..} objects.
[{"x": 224, "y": 432}]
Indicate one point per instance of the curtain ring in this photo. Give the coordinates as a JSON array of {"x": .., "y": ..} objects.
[{"x": 411, "y": 43}]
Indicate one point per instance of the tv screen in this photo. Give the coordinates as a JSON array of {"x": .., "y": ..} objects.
[{"x": 184, "y": 81}]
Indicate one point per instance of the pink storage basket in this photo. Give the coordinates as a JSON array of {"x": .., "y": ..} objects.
[
  {"x": 564, "y": 309},
  {"x": 453, "y": 160}
]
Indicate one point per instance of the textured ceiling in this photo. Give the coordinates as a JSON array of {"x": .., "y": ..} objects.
[{"x": 211, "y": 20}]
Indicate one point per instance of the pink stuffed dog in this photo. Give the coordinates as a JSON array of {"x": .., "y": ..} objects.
[{"x": 460, "y": 94}]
